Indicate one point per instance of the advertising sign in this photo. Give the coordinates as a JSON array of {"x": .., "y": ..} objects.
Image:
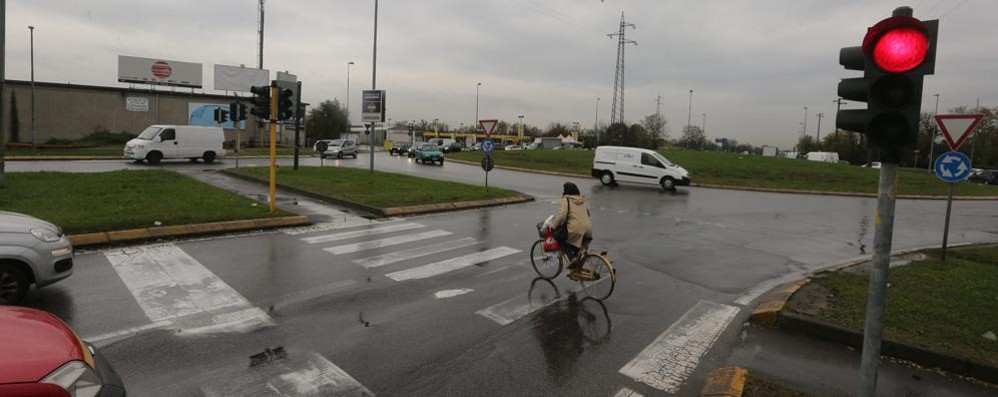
[
  {"x": 239, "y": 78},
  {"x": 158, "y": 72},
  {"x": 136, "y": 104},
  {"x": 373, "y": 106}
]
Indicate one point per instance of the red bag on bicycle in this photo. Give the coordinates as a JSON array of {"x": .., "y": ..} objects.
[{"x": 549, "y": 244}]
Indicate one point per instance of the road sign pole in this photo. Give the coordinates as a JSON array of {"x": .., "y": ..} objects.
[
  {"x": 487, "y": 176},
  {"x": 298, "y": 120},
  {"x": 370, "y": 142},
  {"x": 882, "y": 239},
  {"x": 949, "y": 208},
  {"x": 273, "y": 147}
]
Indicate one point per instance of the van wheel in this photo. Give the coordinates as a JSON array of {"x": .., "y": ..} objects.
[
  {"x": 154, "y": 157},
  {"x": 13, "y": 284},
  {"x": 209, "y": 157},
  {"x": 606, "y": 178},
  {"x": 668, "y": 184}
]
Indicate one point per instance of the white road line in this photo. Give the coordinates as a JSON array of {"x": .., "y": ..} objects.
[
  {"x": 309, "y": 294},
  {"x": 517, "y": 307},
  {"x": 764, "y": 287},
  {"x": 416, "y": 252},
  {"x": 301, "y": 374},
  {"x": 674, "y": 355},
  {"x": 625, "y": 392},
  {"x": 327, "y": 238},
  {"x": 385, "y": 242},
  {"x": 438, "y": 268},
  {"x": 97, "y": 339},
  {"x": 450, "y": 293},
  {"x": 170, "y": 285}
]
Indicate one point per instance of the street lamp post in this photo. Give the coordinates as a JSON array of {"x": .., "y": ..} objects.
[
  {"x": 521, "y": 128},
  {"x": 818, "y": 138},
  {"x": 477, "y": 87},
  {"x": 595, "y": 124},
  {"x": 348, "y": 97},
  {"x": 703, "y": 127},
  {"x": 804, "y": 128},
  {"x": 34, "y": 145},
  {"x": 374, "y": 82},
  {"x": 932, "y": 138},
  {"x": 689, "y": 114}
]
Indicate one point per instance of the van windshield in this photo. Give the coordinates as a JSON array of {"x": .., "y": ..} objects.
[
  {"x": 661, "y": 158},
  {"x": 149, "y": 133}
]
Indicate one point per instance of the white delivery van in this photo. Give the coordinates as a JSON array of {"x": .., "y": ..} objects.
[
  {"x": 825, "y": 157},
  {"x": 159, "y": 142},
  {"x": 635, "y": 165}
]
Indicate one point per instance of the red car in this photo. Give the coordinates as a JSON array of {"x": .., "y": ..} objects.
[{"x": 42, "y": 357}]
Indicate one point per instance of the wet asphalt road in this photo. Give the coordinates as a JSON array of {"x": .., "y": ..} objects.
[{"x": 507, "y": 333}]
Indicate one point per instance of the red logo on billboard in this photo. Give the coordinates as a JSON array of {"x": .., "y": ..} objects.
[{"x": 161, "y": 69}]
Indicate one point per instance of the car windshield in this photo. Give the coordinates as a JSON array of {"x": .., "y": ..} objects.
[
  {"x": 661, "y": 158},
  {"x": 149, "y": 133},
  {"x": 336, "y": 142},
  {"x": 428, "y": 146}
]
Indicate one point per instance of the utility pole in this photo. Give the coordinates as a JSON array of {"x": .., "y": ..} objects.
[
  {"x": 820, "y": 115},
  {"x": 804, "y": 129},
  {"x": 838, "y": 108},
  {"x": 658, "y": 104},
  {"x": 618, "y": 77},
  {"x": 689, "y": 113},
  {"x": 595, "y": 124},
  {"x": 348, "y": 97},
  {"x": 3, "y": 65}
]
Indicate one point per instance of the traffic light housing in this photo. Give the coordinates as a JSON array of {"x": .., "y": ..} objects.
[
  {"x": 285, "y": 104},
  {"x": 237, "y": 111},
  {"x": 261, "y": 102},
  {"x": 895, "y": 56},
  {"x": 221, "y": 115}
]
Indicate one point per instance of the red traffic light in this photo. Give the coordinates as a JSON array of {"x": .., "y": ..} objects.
[{"x": 897, "y": 44}]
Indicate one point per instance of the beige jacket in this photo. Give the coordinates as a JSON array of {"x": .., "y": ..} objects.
[{"x": 579, "y": 226}]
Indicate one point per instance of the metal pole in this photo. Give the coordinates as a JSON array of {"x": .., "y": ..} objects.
[
  {"x": 374, "y": 82},
  {"x": 238, "y": 138},
  {"x": 477, "y": 87},
  {"x": 804, "y": 129},
  {"x": 3, "y": 60},
  {"x": 273, "y": 147},
  {"x": 837, "y": 109},
  {"x": 882, "y": 241},
  {"x": 818, "y": 138},
  {"x": 703, "y": 127},
  {"x": 689, "y": 113},
  {"x": 348, "y": 97},
  {"x": 595, "y": 125},
  {"x": 298, "y": 120},
  {"x": 932, "y": 139},
  {"x": 34, "y": 142},
  {"x": 949, "y": 207}
]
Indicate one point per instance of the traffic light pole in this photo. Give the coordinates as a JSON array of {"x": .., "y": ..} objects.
[
  {"x": 882, "y": 242},
  {"x": 298, "y": 120},
  {"x": 273, "y": 147}
]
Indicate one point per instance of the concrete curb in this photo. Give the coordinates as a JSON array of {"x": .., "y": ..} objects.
[
  {"x": 749, "y": 188},
  {"x": 725, "y": 382},
  {"x": 394, "y": 211},
  {"x": 92, "y": 158},
  {"x": 132, "y": 235},
  {"x": 769, "y": 312}
]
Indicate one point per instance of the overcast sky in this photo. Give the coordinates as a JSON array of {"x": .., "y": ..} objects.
[{"x": 752, "y": 65}]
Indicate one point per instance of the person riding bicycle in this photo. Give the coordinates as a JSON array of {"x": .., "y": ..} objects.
[{"x": 574, "y": 213}]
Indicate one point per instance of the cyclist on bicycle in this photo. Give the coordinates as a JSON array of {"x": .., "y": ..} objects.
[{"x": 574, "y": 213}]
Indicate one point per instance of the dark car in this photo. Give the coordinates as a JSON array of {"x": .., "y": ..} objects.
[
  {"x": 428, "y": 152},
  {"x": 399, "y": 148},
  {"x": 985, "y": 177}
]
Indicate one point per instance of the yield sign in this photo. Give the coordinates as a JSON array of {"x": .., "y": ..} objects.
[
  {"x": 958, "y": 127},
  {"x": 489, "y": 126}
]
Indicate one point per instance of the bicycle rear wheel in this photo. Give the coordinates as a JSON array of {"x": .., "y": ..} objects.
[
  {"x": 599, "y": 277},
  {"x": 546, "y": 264}
]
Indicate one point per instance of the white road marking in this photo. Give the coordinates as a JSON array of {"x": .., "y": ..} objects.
[
  {"x": 337, "y": 219},
  {"x": 517, "y": 307},
  {"x": 416, "y": 252},
  {"x": 301, "y": 374},
  {"x": 385, "y": 242},
  {"x": 438, "y": 268},
  {"x": 309, "y": 294},
  {"x": 97, "y": 339},
  {"x": 764, "y": 287},
  {"x": 674, "y": 355},
  {"x": 327, "y": 238},
  {"x": 625, "y": 392},
  {"x": 450, "y": 293},
  {"x": 170, "y": 285}
]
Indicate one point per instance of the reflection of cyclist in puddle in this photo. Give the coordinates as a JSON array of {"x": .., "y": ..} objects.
[{"x": 563, "y": 329}]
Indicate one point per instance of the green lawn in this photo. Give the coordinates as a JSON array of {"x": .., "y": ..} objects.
[
  {"x": 941, "y": 307},
  {"x": 757, "y": 385},
  {"x": 85, "y": 203},
  {"x": 380, "y": 189},
  {"x": 116, "y": 151},
  {"x": 747, "y": 171}
]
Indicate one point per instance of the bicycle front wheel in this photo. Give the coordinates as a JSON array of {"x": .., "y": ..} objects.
[
  {"x": 599, "y": 277},
  {"x": 546, "y": 264}
]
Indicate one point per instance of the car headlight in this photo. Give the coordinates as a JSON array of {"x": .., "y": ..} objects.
[
  {"x": 139, "y": 146},
  {"x": 77, "y": 378},
  {"x": 44, "y": 235}
]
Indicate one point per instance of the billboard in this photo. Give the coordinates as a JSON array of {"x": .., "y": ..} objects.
[
  {"x": 239, "y": 78},
  {"x": 158, "y": 71},
  {"x": 204, "y": 114}
]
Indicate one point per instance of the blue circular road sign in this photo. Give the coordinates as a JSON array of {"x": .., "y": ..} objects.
[
  {"x": 953, "y": 166},
  {"x": 488, "y": 146}
]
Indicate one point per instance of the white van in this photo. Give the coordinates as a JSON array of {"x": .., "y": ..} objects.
[
  {"x": 825, "y": 157},
  {"x": 628, "y": 164},
  {"x": 159, "y": 142}
]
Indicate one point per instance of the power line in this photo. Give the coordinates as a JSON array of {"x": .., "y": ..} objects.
[{"x": 555, "y": 14}]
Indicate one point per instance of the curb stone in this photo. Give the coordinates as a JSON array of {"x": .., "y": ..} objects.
[
  {"x": 725, "y": 382},
  {"x": 769, "y": 312},
  {"x": 395, "y": 211},
  {"x": 133, "y": 235}
]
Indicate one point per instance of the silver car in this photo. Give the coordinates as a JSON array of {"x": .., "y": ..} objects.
[
  {"x": 339, "y": 148},
  {"x": 32, "y": 251}
]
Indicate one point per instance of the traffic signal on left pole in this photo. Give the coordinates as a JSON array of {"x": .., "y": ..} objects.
[
  {"x": 221, "y": 115},
  {"x": 895, "y": 56},
  {"x": 261, "y": 102}
]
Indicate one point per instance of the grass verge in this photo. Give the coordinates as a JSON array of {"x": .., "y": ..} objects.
[
  {"x": 116, "y": 152},
  {"x": 380, "y": 189},
  {"x": 761, "y": 386},
  {"x": 731, "y": 169},
  {"x": 940, "y": 307},
  {"x": 119, "y": 200}
]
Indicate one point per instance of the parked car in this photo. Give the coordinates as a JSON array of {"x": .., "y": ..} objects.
[
  {"x": 158, "y": 142},
  {"x": 635, "y": 165},
  {"x": 428, "y": 152},
  {"x": 514, "y": 147},
  {"x": 42, "y": 357},
  {"x": 32, "y": 251},
  {"x": 339, "y": 148},
  {"x": 985, "y": 177},
  {"x": 399, "y": 148}
]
